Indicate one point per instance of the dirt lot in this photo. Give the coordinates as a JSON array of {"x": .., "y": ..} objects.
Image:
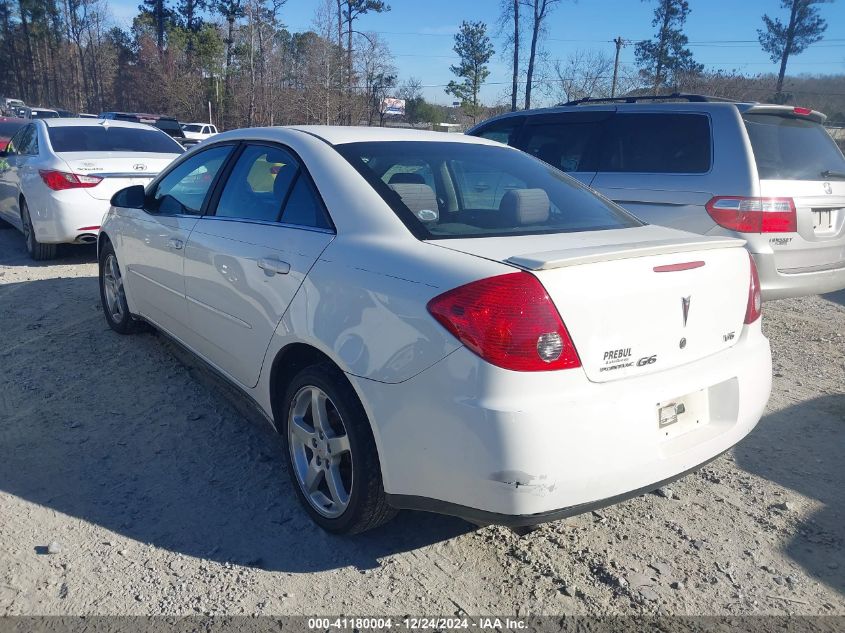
[{"x": 162, "y": 498}]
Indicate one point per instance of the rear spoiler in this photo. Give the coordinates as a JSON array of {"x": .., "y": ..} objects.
[
  {"x": 793, "y": 112},
  {"x": 610, "y": 252}
]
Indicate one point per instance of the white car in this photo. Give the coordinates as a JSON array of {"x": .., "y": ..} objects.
[
  {"x": 442, "y": 322},
  {"x": 196, "y": 132},
  {"x": 58, "y": 175}
]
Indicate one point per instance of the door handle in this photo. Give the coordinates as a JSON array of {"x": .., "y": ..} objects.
[
  {"x": 273, "y": 266},
  {"x": 174, "y": 243}
]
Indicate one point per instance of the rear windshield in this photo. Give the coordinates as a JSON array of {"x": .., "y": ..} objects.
[
  {"x": 788, "y": 148},
  {"x": 104, "y": 138},
  {"x": 192, "y": 128},
  {"x": 44, "y": 114},
  {"x": 457, "y": 190},
  {"x": 171, "y": 126}
]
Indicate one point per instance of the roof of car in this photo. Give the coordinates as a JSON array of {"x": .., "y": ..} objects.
[
  {"x": 337, "y": 134},
  {"x": 89, "y": 122}
]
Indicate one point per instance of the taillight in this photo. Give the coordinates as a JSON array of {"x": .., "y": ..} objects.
[
  {"x": 755, "y": 298},
  {"x": 509, "y": 321},
  {"x": 753, "y": 215},
  {"x": 61, "y": 180},
  {"x": 801, "y": 111}
]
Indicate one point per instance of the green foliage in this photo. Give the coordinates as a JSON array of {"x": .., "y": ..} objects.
[
  {"x": 474, "y": 48},
  {"x": 665, "y": 59},
  {"x": 804, "y": 27}
]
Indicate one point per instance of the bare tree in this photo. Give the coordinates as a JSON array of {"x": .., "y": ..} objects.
[{"x": 540, "y": 10}]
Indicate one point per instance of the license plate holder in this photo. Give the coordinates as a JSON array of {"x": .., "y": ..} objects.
[{"x": 683, "y": 414}]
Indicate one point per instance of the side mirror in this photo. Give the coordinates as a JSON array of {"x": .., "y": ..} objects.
[{"x": 130, "y": 198}]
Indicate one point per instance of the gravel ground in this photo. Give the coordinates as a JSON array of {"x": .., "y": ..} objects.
[{"x": 131, "y": 484}]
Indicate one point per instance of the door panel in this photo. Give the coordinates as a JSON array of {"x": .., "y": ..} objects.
[
  {"x": 237, "y": 288},
  {"x": 154, "y": 238},
  {"x": 243, "y": 266}
]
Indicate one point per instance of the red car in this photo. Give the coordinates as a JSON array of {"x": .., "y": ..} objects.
[{"x": 8, "y": 127}]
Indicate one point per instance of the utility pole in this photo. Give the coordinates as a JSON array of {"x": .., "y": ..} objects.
[{"x": 619, "y": 44}]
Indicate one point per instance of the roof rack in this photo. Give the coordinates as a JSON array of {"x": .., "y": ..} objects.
[{"x": 635, "y": 98}]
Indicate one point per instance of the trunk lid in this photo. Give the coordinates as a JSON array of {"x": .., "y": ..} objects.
[
  {"x": 628, "y": 310},
  {"x": 117, "y": 169}
]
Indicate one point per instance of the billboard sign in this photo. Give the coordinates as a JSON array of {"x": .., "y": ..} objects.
[{"x": 391, "y": 106}]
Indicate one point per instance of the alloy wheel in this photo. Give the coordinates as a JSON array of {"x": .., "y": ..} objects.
[
  {"x": 113, "y": 288},
  {"x": 320, "y": 451}
]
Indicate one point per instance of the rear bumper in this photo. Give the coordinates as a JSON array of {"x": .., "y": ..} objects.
[
  {"x": 777, "y": 284},
  {"x": 495, "y": 446},
  {"x": 70, "y": 216}
]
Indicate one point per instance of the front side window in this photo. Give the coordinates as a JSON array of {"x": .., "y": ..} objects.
[
  {"x": 258, "y": 185},
  {"x": 503, "y": 131},
  {"x": 480, "y": 191},
  {"x": 184, "y": 189},
  {"x": 656, "y": 143}
]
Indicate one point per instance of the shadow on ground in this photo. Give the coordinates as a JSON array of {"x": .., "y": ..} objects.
[
  {"x": 13, "y": 251},
  {"x": 119, "y": 431},
  {"x": 800, "y": 448},
  {"x": 836, "y": 297}
]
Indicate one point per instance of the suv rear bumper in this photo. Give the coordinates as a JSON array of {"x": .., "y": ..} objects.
[{"x": 776, "y": 284}]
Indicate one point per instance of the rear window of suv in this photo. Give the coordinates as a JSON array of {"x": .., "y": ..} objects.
[
  {"x": 104, "y": 138},
  {"x": 789, "y": 148}
]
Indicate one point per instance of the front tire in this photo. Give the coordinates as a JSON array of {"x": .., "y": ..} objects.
[
  {"x": 36, "y": 250},
  {"x": 112, "y": 295},
  {"x": 331, "y": 454}
]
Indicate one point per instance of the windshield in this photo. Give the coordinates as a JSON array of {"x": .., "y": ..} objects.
[
  {"x": 457, "y": 190},
  {"x": 104, "y": 138},
  {"x": 788, "y": 148}
]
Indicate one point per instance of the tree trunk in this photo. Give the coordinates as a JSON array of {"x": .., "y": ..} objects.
[
  {"x": 515, "y": 81},
  {"x": 535, "y": 33},
  {"x": 787, "y": 49},
  {"x": 29, "y": 93},
  {"x": 661, "y": 48},
  {"x": 160, "y": 24},
  {"x": 349, "y": 73}
]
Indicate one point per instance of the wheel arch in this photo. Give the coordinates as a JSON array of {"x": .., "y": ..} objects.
[{"x": 287, "y": 363}]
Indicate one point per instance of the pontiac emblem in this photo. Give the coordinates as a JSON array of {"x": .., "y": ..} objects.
[
  {"x": 139, "y": 167},
  {"x": 685, "y": 308},
  {"x": 827, "y": 187}
]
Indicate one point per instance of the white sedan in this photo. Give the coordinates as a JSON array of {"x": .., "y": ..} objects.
[
  {"x": 58, "y": 175},
  {"x": 441, "y": 322}
]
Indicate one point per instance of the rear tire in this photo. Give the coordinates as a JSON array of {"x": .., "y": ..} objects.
[
  {"x": 37, "y": 250},
  {"x": 332, "y": 457},
  {"x": 112, "y": 295}
]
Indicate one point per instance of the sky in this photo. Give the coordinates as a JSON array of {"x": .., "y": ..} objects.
[{"x": 420, "y": 34}]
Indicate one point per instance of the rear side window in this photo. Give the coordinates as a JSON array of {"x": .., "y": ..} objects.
[
  {"x": 788, "y": 148},
  {"x": 564, "y": 144},
  {"x": 656, "y": 144},
  {"x": 104, "y": 138},
  {"x": 304, "y": 207},
  {"x": 258, "y": 185}
]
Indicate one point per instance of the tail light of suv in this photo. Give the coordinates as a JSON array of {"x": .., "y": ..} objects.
[
  {"x": 508, "y": 320},
  {"x": 753, "y": 215}
]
